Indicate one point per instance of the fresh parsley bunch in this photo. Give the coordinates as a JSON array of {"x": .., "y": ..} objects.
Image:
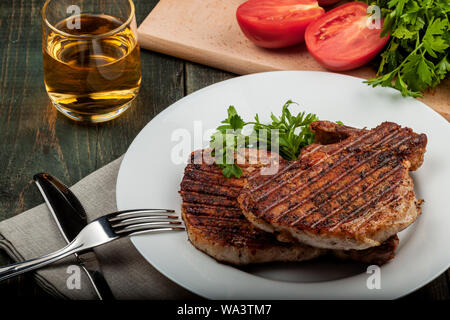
[
  {"x": 292, "y": 134},
  {"x": 417, "y": 56},
  {"x": 226, "y": 140},
  {"x": 290, "y": 140}
]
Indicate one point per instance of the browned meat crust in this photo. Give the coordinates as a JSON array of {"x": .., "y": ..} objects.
[
  {"x": 375, "y": 255},
  {"x": 216, "y": 225},
  {"x": 349, "y": 190}
]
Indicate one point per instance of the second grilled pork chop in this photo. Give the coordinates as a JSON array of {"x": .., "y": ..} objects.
[
  {"x": 216, "y": 225},
  {"x": 349, "y": 190}
]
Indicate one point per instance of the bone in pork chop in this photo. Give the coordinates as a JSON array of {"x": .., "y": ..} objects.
[
  {"x": 216, "y": 224},
  {"x": 350, "y": 190}
]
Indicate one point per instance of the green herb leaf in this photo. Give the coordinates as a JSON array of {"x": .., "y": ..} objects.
[
  {"x": 291, "y": 134},
  {"x": 415, "y": 58},
  {"x": 231, "y": 170}
]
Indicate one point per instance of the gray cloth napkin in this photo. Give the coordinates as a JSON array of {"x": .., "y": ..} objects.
[{"x": 34, "y": 233}]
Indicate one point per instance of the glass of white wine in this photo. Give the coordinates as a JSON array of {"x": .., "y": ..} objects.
[{"x": 92, "y": 68}]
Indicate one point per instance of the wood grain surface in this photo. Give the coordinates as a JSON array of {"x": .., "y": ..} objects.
[
  {"x": 35, "y": 137},
  {"x": 206, "y": 32}
]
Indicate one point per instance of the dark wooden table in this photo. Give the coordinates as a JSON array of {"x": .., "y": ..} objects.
[{"x": 35, "y": 137}]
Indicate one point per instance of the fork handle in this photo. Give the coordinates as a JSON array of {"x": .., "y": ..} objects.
[{"x": 15, "y": 269}]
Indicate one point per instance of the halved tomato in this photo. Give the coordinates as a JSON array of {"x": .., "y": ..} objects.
[
  {"x": 277, "y": 23},
  {"x": 342, "y": 39},
  {"x": 327, "y": 2}
]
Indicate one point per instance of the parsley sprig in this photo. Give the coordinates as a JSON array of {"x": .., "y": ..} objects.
[
  {"x": 291, "y": 132},
  {"x": 417, "y": 56}
]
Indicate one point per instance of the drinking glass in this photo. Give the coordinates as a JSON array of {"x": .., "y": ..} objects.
[{"x": 91, "y": 59}]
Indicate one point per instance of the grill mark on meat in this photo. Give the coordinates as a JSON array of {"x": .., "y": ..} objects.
[
  {"x": 229, "y": 235},
  {"x": 277, "y": 175},
  {"x": 207, "y": 175},
  {"x": 312, "y": 150},
  {"x": 366, "y": 218},
  {"x": 319, "y": 175},
  {"x": 280, "y": 172},
  {"x": 234, "y": 237},
  {"x": 211, "y": 188},
  {"x": 293, "y": 163},
  {"x": 369, "y": 202},
  {"x": 336, "y": 186},
  {"x": 339, "y": 191},
  {"x": 201, "y": 208},
  {"x": 225, "y": 221},
  {"x": 366, "y": 205},
  {"x": 366, "y": 136},
  {"x": 197, "y": 197},
  {"x": 213, "y": 213},
  {"x": 349, "y": 214},
  {"x": 235, "y": 220},
  {"x": 216, "y": 225}
]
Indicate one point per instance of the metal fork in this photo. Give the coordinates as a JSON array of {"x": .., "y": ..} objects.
[{"x": 100, "y": 231}]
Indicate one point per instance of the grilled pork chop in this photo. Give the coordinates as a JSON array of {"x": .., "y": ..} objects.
[
  {"x": 216, "y": 225},
  {"x": 373, "y": 255},
  {"x": 350, "y": 190}
]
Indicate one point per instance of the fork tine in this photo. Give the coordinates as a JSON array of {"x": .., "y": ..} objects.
[
  {"x": 146, "y": 219},
  {"x": 137, "y": 226},
  {"x": 121, "y": 215},
  {"x": 131, "y": 222},
  {"x": 146, "y": 210},
  {"x": 146, "y": 227},
  {"x": 156, "y": 230}
]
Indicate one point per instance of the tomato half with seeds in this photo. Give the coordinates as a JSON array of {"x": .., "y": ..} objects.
[
  {"x": 277, "y": 23},
  {"x": 345, "y": 38}
]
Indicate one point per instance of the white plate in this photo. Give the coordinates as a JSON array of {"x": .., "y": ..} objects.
[{"x": 148, "y": 178}]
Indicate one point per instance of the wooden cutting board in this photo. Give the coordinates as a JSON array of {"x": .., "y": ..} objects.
[{"x": 206, "y": 32}]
